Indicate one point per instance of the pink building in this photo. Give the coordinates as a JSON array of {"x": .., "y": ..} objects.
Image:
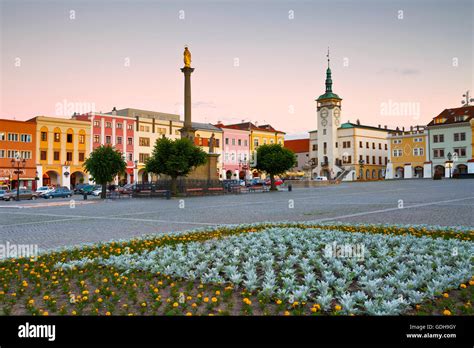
[
  {"x": 235, "y": 153},
  {"x": 114, "y": 130}
]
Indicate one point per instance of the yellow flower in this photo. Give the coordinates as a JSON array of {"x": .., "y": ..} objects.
[
  {"x": 194, "y": 305},
  {"x": 143, "y": 304},
  {"x": 471, "y": 282},
  {"x": 463, "y": 286},
  {"x": 218, "y": 292},
  {"x": 46, "y": 297},
  {"x": 446, "y": 312},
  {"x": 176, "y": 304},
  {"x": 214, "y": 299},
  {"x": 445, "y": 295},
  {"x": 100, "y": 299},
  {"x": 45, "y": 313},
  {"x": 189, "y": 314},
  {"x": 105, "y": 280},
  {"x": 314, "y": 309},
  {"x": 206, "y": 299},
  {"x": 278, "y": 302},
  {"x": 337, "y": 308},
  {"x": 85, "y": 292},
  {"x": 287, "y": 313},
  {"x": 97, "y": 291},
  {"x": 107, "y": 313},
  {"x": 247, "y": 301},
  {"x": 189, "y": 298},
  {"x": 73, "y": 312}
]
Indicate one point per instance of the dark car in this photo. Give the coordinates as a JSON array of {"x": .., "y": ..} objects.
[
  {"x": 89, "y": 189},
  {"x": 62, "y": 192},
  {"x": 24, "y": 194},
  {"x": 79, "y": 187}
]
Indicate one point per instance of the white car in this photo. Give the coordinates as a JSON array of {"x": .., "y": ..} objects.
[
  {"x": 98, "y": 192},
  {"x": 44, "y": 189},
  {"x": 320, "y": 178}
]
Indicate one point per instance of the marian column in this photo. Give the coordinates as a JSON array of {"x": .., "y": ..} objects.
[{"x": 187, "y": 131}]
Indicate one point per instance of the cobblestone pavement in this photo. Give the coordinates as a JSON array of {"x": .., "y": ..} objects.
[{"x": 445, "y": 202}]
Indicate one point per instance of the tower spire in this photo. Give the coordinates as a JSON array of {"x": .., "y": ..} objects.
[
  {"x": 328, "y": 57},
  {"x": 328, "y": 76}
]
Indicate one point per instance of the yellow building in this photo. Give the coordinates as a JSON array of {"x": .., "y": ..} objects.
[
  {"x": 62, "y": 146},
  {"x": 408, "y": 154}
]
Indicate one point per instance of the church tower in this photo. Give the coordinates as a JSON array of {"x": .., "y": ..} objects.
[{"x": 328, "y": 117}]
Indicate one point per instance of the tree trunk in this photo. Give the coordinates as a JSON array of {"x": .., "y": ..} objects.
[
  {"x": 103, "y": 194},
  {"x": 272, "y": 183},
  {"x": 174, "y": 186}
]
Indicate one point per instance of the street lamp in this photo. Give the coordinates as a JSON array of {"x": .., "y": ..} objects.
[
  {"x": 449, "y": 163},
  {"x": 361, "y": 171},
  {"x": 467, "y": 99},
  {"x": 18, "y": 163}
]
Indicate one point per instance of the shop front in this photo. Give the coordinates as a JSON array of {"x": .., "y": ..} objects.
[{"x": 9, "y": 178}]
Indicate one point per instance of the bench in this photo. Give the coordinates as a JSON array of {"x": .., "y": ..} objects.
[
  {"x": 196, "y": 191},
  {"x": 215, "y": 189},
  {"x": 118, "y": 195},
  {"x": 256, "y": 188},
  {"x": 153, "y": 193}
]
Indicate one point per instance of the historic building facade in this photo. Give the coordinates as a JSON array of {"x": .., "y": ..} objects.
[
  {"x": 18, "y": 142},
  {"x": 348, "y": 151},
  {"x": 450, "y": 141},
  {"x": 114, "y": 130},
  {"x": 408, "y": 154},
  {"x": 62, "y": 146},
  {"x": 301, "y": 149},
  {"x": 235, "y": 153}
]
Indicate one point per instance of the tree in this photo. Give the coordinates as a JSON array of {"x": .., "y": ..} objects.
[
  {"x": 104, "y": 164},
  {"x": 175, "y": 158},
  {"x": 274, "y": 159}
]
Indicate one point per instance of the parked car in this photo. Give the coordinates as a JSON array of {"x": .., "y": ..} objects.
[
  {"x": 62, "y": 192},
  {"x": 256, "y": 182},
  {"x": 89, "y": 189},
  {"x": 78, "y": 187},
  {"x": 2, "y": 193},
  {"x": 24, "y": 194},
  {"x": 320, "y": 178},
  {"x": 128, "y": 188},
  {"x": 278, "y": 182},
  {"x": 242, "y": 182},
  {"x": 43, "y": 189},
  {"x": 98, "y": 191}
]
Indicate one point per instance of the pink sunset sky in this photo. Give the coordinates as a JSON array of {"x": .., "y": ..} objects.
[{"x": 395, "y": 63}]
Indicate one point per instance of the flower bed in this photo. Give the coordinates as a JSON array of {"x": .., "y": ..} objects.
[{"x": 283, "y": 268}]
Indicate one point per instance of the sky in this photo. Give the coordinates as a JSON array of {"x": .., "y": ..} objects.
[{"x": 394, "y": 63}]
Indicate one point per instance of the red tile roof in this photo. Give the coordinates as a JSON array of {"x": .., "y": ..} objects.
[
  {"x": 297, "y": 145},
  {"x": 452, "y": 115},
  {"x": 251, "y": 126}
]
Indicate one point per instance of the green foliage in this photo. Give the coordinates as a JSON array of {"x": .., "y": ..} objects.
[
  {"x": 104, "y": 164},
  {"x": 175, "y": 157},
  {"x": 274, "y": 159}
]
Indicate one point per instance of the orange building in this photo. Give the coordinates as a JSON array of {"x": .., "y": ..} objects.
[{"x": 18, "y": 142}]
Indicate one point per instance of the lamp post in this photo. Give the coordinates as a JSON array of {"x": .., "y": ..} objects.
[
  {"x": 449, "y": 163},
  {"x": 18, "y": 163},
  {"x": 361, "y": 170}
]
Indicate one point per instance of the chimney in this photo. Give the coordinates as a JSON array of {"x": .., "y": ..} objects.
[
  {"x": 411, "y": 128},
  {"x": 403, "y": 129},
  {"x": 358, "y": 122},
  {"x": 380, "y": 126},
  {"x": 385, "y": 126},
  {"x": 114, "y": 111}
]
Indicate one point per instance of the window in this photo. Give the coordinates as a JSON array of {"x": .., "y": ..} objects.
[
  {"x": 69, "y": 156},
  {"x": 386, "y": 160},
  {"x": 56, "y": 155},
  {"x": 2, "y": 136},
  {"x": 108, "y": 124},
  {"x": 367, "y": 159},
  {"x": 57, "y": 137},
  {"x": 144, "y": 141},
  {"x": 418, "y": 140},
  {"x": 143, "y": 157},
  {"x": 130, "y": 156},
  {"x": 227, "y": 141},
  {"x": 255, "y": 142},
  {"x": 397, "y": 153},
  {"x": 119, "y": 126},
  {"x": 12, "y": 153},
  {"x": 418, "y": 151},
  {"x": 26, "y": 138},
  {"x": 315, "y": 147},
  {"x": 130, "y": 141},
  {"x": 43, "y": 155},
  {"x": 96, "y": 123},
  {"x": 346, "y": 144},
  {"x": 325, "y": 148},
  {"x": 96, "y": 138},
  {"x": 373, "y": 146},
  {"x": 144, "y": 128},
  {"x": 26, "y": 155},
  {"x": 360, "y": 158},
  {"x": 461, "y": 151},
  {"x": 12, "y": 136},
  {"x": 324, "y": 131},
  {"x": 386, "y": 147},
  {"x": 367, "y": 145},
  {"x": 239, "y": 142},
  {"x": 108, "y": 139},
  {"x": 380, "y": 160},
  {"x": 373, "y": 159},
  {"x": 130, "y": 126},
  {"x": 233, "y": 141},
  {"x": 69, "y": 138},
  {"x": 82, "y": 139},
  {"x": 81, "y": 156},
  {"x": 336, "y": 144},
  {"x": 264, "y": 141},
  {"x": 438, "y": 153},
  {"x": 360, "y": 144},
  {"x": 438, "y": 138},
  {"x": 119, "y": 140},
  {"x": 2, "y": 153},
  {"x": 380, "y": 147},
  {"x": 459, "y": 136},
  {"x": 397, "y": 141},
  {"x": 161, "y": 131},
  {"x": 245, "y": 142}
]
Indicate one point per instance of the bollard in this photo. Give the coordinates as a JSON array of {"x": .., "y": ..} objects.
[
  {"x": 290, "y": 187},
  {"x": 85, "y": 196},
  {"x": 168, "y": 194}
]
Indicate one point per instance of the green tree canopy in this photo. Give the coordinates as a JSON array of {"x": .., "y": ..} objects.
[
  {"x": 104, "y": 164},
  {"x": 274, "y": 159},
  {"x": 175, "y": 158}
]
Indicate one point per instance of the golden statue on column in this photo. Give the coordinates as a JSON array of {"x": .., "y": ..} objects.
[{"x": 187, "y": 57}]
